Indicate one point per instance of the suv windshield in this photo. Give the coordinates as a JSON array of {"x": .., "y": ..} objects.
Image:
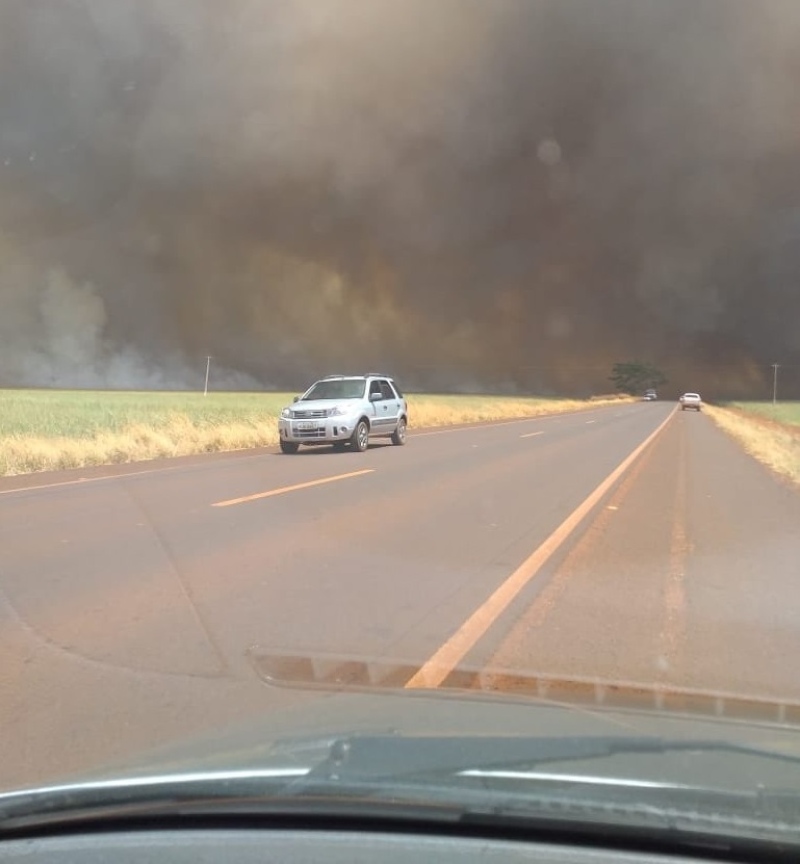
[{"x": 340, "y": 388}]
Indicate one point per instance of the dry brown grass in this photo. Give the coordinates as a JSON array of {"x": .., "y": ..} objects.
[
  {"x": 613, "y": 397},
  {"x": 179, "y": 437},
  {"x": 453, "y": 410},
  {"x": 55, "y": 431},
  {"x": 776, "y": 445}
]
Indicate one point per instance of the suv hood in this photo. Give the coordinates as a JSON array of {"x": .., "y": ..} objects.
[{"x": 322, "y": 404}]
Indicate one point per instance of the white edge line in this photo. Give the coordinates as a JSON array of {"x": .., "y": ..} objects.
[{"x": 82, "y": 481}]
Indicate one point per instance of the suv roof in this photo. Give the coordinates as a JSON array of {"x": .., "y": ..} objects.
[{"x": 365, "y": 375}]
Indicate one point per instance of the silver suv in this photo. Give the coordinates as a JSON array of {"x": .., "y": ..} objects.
[{"x": 345, "y": 409}]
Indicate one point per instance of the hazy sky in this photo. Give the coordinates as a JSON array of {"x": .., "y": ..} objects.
[{"x": 464, "y": 193}]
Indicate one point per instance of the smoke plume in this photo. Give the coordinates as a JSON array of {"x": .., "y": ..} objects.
[{"x": 509, "y": 195}]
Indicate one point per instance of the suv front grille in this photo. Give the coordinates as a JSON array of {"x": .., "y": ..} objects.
[
  {"x": 302, "y": 414},
  {"x": 317, "y": 432}
]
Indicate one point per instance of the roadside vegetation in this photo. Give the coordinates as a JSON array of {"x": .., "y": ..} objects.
[
  {"x": 57, "y": 429},
  {"x": 634, "y": 377},
  {"x": 783, "y": 412},
  {"x": 449, "y": 410},
  {"x": 769, "y": 433}
]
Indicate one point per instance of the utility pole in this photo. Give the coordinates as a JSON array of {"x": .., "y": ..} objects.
[
  {"x": 775, "y": 367},
  {"x": 208, "y": 369}
]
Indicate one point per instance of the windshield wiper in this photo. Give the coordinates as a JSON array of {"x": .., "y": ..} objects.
[
  {"x": 387, "y": 756},
  {"x": 389, "y": 771}
]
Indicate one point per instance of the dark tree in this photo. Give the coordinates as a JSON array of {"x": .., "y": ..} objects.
[{"x": 636, "y": 377}]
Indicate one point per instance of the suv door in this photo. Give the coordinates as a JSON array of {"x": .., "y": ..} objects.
[
  {"x": 376, "y": 413},
  {"x": 388, "y": 407}
]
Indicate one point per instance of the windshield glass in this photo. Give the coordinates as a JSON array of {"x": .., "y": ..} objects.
[
  {"x": 347, "y": 388},
  {"x": 545, "y": 219}
]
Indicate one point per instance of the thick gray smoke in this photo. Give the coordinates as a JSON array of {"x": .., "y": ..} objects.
[{"x": 510, "y": 194}]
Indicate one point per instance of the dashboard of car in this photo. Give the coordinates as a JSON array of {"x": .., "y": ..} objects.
[{"x": 305, "y": 847}]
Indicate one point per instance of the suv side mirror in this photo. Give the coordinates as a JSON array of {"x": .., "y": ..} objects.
[
  {"x": 375, "y": 397},
  {"x": 296, "y": 399}
]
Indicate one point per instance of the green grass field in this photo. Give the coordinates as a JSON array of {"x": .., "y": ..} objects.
[
  {"x": 85, "y": 413},
  {"x": 56, "y": 429},
  {"x": 783, "y": 412}
]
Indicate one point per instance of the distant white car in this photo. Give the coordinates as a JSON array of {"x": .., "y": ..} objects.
[{"x": 691, "y": 400}]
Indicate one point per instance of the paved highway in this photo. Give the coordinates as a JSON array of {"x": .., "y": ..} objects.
[{"x": 630, "y": 542}]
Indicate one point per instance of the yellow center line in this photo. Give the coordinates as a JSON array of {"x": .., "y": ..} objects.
[
  {"x": 436, "y": 669},
  {"x": 532, "y": 434},
  {"x": 283, "y": 489}
]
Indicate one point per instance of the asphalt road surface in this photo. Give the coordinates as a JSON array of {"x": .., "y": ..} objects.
[{"x": 630, "y": 543}]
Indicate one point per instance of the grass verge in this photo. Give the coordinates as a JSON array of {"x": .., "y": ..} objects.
[
  {"x": 53, "y": 430},
  {"x": 447, "y": 410},
  {"x": 783, "y": 412},
  {"x": 775, "y": 444}
]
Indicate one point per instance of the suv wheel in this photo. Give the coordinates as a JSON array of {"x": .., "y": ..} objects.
[
  {"x": 399, "y": 434},
  {"x": 360, "y": 438},
  {"x": 289, "y": 447}
]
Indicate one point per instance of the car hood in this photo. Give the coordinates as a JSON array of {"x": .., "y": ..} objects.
[
  {"x": 322, "y": 404},
  {"x": 604, "y": 757},
  {"x": 338, "y": 697}
]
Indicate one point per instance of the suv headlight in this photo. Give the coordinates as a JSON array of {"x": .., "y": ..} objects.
[
  {"x": 339, "y": 411},
  {"x": 286, "y": 413}
]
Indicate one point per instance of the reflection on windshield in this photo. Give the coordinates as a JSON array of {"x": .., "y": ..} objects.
[{"x": 348, "y": 389}]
